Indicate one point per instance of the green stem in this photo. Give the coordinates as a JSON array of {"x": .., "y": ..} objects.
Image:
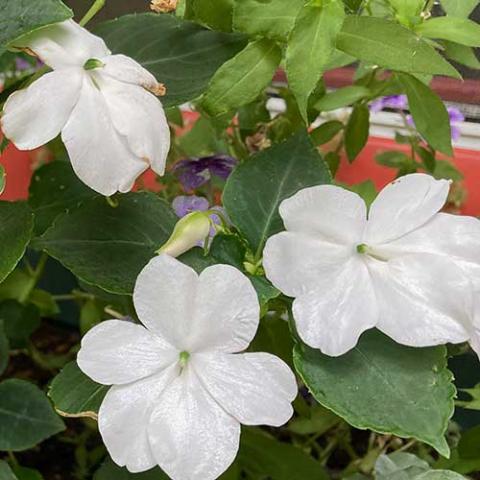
[
  {"x": 35, "y": 277},
  {"x": 93, "y": 10}
]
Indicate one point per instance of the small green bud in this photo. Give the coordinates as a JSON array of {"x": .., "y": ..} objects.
[
  {"x": 184, "y": 356},
  {"x": 362, "y": 248},
  {"x": 92, "y": 64},
  {"x": 188, "y": 232}
]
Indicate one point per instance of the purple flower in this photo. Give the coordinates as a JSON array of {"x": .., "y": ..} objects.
[
  {"x": 397, "y": 102},
  {"x": 195, "y": 172},
  {"x": 183, "y": 205}
]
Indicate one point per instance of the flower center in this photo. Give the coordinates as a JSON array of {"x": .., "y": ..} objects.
[
  {"x": 364, "y": 249},
  {"x": 92, "y": 64},
  {"x": 184, "y": 356}
]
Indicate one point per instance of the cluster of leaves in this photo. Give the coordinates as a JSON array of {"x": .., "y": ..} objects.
[{"x": 222, "y": 55}]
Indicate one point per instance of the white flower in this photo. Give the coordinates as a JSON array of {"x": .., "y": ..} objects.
[
  {"x": 406, "y": 270},
  {"x": 180, "y": 389},
  {"x": 112, "y": 127}
]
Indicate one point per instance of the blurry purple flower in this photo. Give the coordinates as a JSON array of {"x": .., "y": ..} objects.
[
  {"x": 195, "y": 172},
  {"x": 183, "y": 205},
  {"x": 21, "y": 64},
  {"x": 397, "y": 102},
  {"x": 456, "y": 118}
]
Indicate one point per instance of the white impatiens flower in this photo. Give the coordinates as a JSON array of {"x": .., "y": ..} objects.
[
  {"x": 180, "y": 389},
  {"x": 405, "y": 268},
  {"x": 112, "y": 126}
]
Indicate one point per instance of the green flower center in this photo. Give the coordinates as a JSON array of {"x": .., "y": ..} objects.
[
  {"x": 184, "y": 356},
  {"x": 92, "y": 64}
]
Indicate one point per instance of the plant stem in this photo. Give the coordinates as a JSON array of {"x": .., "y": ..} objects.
[
  {"x": 93, "y": 10},
  {"x": 35, "y": 277}
]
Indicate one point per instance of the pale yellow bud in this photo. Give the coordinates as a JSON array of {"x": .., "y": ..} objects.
[{"x": 163, "y": 6}]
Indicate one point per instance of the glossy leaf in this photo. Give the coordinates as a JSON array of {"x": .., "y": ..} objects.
[
  {"x": 356, "y": 131},
  {"x": 107, "y": 246},
  {"x": 181, "y": 54},
  {"x": 256, "y": 187},
  {"x": 26, "y": 416},
  {"x": 240, "y": 80},
  {"x": 271, "y": 19},
  {"x": 74, "y": 394},
  {"x": 18, "y": 17},
  {"x": 385, "y": 387},
  {"x": 382, "y": 42},
  {"x": 16, "y": 225},
  {"x": 459, "y": 30},
  {"x": 55, "y": 189},
  {"x": 311, "y": 45},
  {"x": 429, "y": 114},
  {"x": 343, "y": 97}
]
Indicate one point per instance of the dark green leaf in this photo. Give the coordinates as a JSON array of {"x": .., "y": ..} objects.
[
  {"x": 74, "y": 394},
  {"x": 382, "y": 42},
  {"x": 110, "y": 471},
  {"x": 385, "y": 387},
  {"x": 26, "y": 416},
  {"x": 181, "y": 54},
  {"x": 318, "y": 422},
  {"x": 469, "y": 445},
  {"x": 55, "y": 189},
  {"x": 19, "y": 321},
  {"x": 356, "y": 131},
  {"x": 311, "y": 45},
  {"x": 108, "y": 246},
  {"x": 16, "y": 225},
  {"x": 256, "y": 187},
  {"x": 24, "y": 473},
  {"x": 19, "y": 17},
  {"x": 461, "y": 54},
  {"x": 392, "y": 159},
  {"x": 332, "y": 159},
  {"x": 272, "y": 18},
  {"x": 4, "y": 349},
  {"x": 429, "y": 114},
  {"x": 217, "y": 15},
  {"x": 263, "y": 456},
  {"x": 343, "y": 97},
  {"x": 6, "y": 472},
  {"x": 459, "y": 30},
  {"x": 365, "y": 189},
  {"x": 241, "y": 80},
  {"x": 325, "y": 132}
]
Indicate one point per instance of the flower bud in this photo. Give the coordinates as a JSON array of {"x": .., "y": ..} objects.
[{"x": 188, "y": 232}]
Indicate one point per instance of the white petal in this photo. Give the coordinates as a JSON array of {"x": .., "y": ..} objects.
[
  {"x": 255, "y": 388},
  {"x": 124, "y": 417},
  {"x": 191, "y": 436},
  {"x": 64, "y": 45},
  {"x": 297, "y": 263},
  {"x": 227, "y": 311},
  {"x": 327, "y": 211},
  {"x": 36, "y": 115},
  {"x": 455, "y": 236},
  {"x": 138, "y": 115},
  {"x": 117, "y": 352},
  {"x": 125, "y": 69},
  {"x": 333, "y": 318},
  {"x": 424, "y": 300},
  {"x": 164, "y": 297},
  {"x": 100, "y": 156},
  {"x": 403, "y": 205}
]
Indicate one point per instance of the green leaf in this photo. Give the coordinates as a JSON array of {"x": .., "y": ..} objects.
[
  {"x": 16, "y": 225},
  {"x": 108, "y": 246},
  {"x": 6, "y": 472},
  {"x": 459, "y": 8},
  {"x": 399, "y": 466},
  {"x": 325, "y": 132},
  {"x": 26, "y": 416},
  {"x": 385, "y": 387},
  {"x": 24, "y": 473},
  {"x": 459, "y": 30},
  {"x": 356, "y": 131},
  {"x": 21, "y": 16},
  {"x": 240, "y": 80},
  {"x": 461, "y": 54},
  {"x": 76, "y": 395},
  {"x": 256, "y": 187},
  {"x": 110, "y": 471},
  {"x": 319, "y": 422},
  {"x": 181, "y": 54},
  {"x": 382, "y": 42},
  {"x": 272, "y": 19},
  {"x": 366, "y": 190},
  {"x": 216, "y": 15},
  {"x": 343, "y": 97},
  {"x": 447, "y": 170},
  {"x": 429, "y": 114},
  {"x": 3, "y": 176},
  {"x": 311, "y": 45},
  {"x": 264, "y": 456},
  {"x": 54, "y": 189},
  {"x": 19, "y": 321},
  {"x": 440, "y": 475},
  {"x": 393, "y": 159},
  {"x": 4, "y": 350}
]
